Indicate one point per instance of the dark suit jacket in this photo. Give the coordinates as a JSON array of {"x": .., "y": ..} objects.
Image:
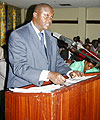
[{"x": 27, "y": 58}]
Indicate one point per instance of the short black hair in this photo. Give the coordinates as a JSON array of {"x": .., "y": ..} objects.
[
  {"x": 93, "y": 41},
  {"x": 39, "y": 6}
]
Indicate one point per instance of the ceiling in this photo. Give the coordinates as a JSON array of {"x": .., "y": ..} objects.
[{"x": 54, "y": 3}]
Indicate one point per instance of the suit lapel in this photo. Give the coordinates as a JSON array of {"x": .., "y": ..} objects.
[{"x": 35, "y": 40}]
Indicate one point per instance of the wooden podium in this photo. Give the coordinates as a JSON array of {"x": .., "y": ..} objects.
[{"x": 80, "y": 101}]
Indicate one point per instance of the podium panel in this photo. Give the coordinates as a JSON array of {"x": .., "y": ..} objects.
[{"x": 80, "y": 101}]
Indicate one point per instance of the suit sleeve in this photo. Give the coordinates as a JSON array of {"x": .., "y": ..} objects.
[{"x": 18, "y": 59}]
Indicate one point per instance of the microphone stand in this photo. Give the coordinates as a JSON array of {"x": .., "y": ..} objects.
[{"x": 71, "y": 44}]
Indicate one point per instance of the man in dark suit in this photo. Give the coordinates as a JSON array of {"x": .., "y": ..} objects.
[{"x": 29, "y": 64}]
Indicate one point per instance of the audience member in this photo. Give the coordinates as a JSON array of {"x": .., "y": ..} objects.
[
  {"x": 78, "y": 40},
  {"x": 87, "y": 41},
  {"x": 99, "y": 42},
  {"x": 75, "y": 39},
  {"x": 85, "y": 66},
  {"x": 95, "y": 48},
  {"x": 64, "y": 54},
  {"x": 62, "y": 45},
  {"x": 72, "y": 55}
]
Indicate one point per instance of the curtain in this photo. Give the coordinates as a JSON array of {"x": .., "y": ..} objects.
[
  {"x": 13, "y": 17},
  {"x": 10, "y": 19},
  {"x": 2, "y": 24}
]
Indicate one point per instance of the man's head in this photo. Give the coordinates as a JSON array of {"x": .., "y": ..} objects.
[
  {"x": 89, "y": 64},
  {"x": 87, "y": 46},
  {"x": 98, "y": 40},
  {"x": 42, "y": 16},
  {"x": 87, "y": 41},
  {"x": 95, "y": 43}
]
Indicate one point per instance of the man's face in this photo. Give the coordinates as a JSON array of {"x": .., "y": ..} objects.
[
  {"x": 88, "y": 65},
  {"x": 43, "y": 18},
  {"x": 95, "y": 44},
  {"x": 88, "y": 47}
]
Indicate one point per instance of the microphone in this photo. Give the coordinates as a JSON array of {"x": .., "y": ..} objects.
[
  {"x": 67, "y": 40},
  {"x": 63, "y": 38},
  {"x": 71, "y": 43}
]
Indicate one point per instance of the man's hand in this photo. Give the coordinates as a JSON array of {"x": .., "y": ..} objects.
[
  {"x": 76, "y": 74},
  {"x": 56, "y": 78}
]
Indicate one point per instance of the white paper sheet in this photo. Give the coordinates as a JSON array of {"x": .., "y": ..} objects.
[
  {"x": 76, "y": 80},
  {"x": 43, "y": 89}
]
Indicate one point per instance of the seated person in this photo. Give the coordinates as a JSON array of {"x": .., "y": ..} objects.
[
  {"x": 85, "y": 66},
  {"x": 99, "y": 42},
  {"x": 73, "y": 54},
  {"x": 87, "y": 41},
  {"x": 64, "y": 54},
  {"x": 95, "y": 48},
  {"x": 62, "y": 45}
]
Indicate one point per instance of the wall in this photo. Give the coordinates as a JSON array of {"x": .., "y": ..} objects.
[
  {"x": 62, "y": 16},
  {"x": 93, "y": 28},
  {"x": 72, "y": 22},
  {"x": 85, "y": 22}
]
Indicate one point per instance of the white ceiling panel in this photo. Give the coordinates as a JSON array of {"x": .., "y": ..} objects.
[{"x": 54, "y": 3}]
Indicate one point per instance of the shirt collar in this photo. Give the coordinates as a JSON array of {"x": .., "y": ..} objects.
[
  {"x": 37, "y": 31},
  {"x": 35, "y": 28}
]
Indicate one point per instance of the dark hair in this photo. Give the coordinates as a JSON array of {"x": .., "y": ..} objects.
[
  {"x": 39, "y": 6},
  {"x": 91, "y": 60},
  {"x": 93, "y": 41}
]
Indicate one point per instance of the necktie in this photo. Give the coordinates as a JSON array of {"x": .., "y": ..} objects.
[
  {"x": 42, "y": 39},
  {"x": 42, "y": 42}
]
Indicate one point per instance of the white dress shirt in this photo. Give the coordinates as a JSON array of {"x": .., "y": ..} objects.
[{"x": 44, "y": 73}]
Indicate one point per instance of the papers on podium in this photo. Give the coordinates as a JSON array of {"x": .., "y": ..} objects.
[
  {"x": 52, "y": 87},
  {"x": 43, "y": 89},
  {"x": 71, "y": 81}
]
